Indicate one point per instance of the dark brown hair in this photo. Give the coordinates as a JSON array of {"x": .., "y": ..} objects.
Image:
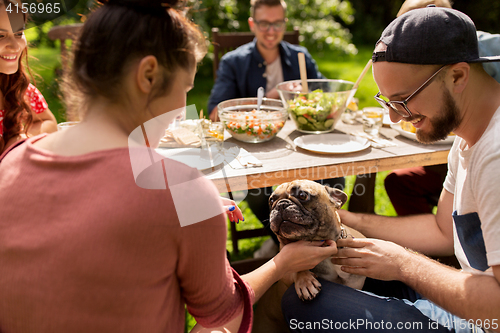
[
  {"x": 120, "y": 32},
  {"x": 255, "y": 4},
  {"x": 17, "y": 112}
]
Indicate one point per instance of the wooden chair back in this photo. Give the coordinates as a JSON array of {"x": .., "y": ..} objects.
[
  {"x": 64, "y": 33},
  {"x": 227, "y": 41}
]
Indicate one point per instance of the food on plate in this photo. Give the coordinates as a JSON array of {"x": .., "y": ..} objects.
[
  {"x": 194, "y": 124},
  {"x": 407, "y": 126},
  {"x": 180, "y": 137},
  {"x": 351, "y": 112},
  {"x": 184, "y": 136},
  {"x": 215, "y": 135},
  {"x": 253, "y": 125},
  {"x": 188, "y": 133},
  {"x": 353, "y": 105},
  {"x": 315, "y": 111}
]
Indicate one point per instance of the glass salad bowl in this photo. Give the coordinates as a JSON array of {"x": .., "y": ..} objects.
[
  {"x": 242, "y": 120},
  {"x": 319, "y": 110}
]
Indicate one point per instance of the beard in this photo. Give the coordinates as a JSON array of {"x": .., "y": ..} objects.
[
  {"x": 444, "y": 124},
  {"x": 264, "y": 46}
]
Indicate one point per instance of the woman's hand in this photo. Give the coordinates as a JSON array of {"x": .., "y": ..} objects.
[
  {"x": 374, "y": 258},
  {"x": 303, "y": 255},
  {"x": 293, "y": 257},
  {"x": 232, "y": 210}
]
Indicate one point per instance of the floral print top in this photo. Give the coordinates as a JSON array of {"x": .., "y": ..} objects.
[{"x": 37, "y": 102}]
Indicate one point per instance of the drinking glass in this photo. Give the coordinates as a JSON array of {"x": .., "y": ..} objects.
[
  {"x": 372, "y": 119},
  {"x": 351, "y": 112},
  {"x": 216, "y": 130}
]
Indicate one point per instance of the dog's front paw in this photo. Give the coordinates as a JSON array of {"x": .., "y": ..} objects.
[{"x": 306, "y": 285}]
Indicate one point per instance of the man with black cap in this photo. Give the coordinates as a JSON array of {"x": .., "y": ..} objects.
[{"x": 408, "y": 292}]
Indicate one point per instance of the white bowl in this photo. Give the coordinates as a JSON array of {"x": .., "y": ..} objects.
[{"x": 242, "y": 120}]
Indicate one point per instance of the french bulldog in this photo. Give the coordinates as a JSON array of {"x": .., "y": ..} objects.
[{"x": 306, "y": 210}]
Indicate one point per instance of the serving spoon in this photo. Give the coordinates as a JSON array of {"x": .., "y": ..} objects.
[{"x": 260, "y": 95}]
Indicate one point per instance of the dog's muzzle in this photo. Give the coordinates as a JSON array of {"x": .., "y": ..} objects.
[{"x": 289, "y": 220}]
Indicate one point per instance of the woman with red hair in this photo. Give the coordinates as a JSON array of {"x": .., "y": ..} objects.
[{"x": 23, "y": 110}]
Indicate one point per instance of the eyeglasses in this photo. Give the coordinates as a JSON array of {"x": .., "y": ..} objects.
[
  {"x": 265, "y": 25},
  {"x": 401, "y": 107}
]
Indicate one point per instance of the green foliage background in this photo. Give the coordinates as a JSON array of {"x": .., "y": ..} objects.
[{"x": 321, "y": 22}]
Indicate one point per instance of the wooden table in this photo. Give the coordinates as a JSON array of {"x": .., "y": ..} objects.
[{"x": 281, "y": 163}]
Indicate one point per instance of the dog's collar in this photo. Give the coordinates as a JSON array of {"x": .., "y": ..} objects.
[{"x": 343, "y": 232}]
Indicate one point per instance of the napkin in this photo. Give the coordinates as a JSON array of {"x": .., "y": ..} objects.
[
  {"x": 240, "y": 158},
  {"x": 375, "y": 141},
  {"x": 175, "y": 144}
]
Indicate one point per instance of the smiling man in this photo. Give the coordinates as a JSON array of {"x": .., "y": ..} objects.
[
  {"x": 439, "y": 125},
  {"x": 264, "y": 62},
  {"x": 428, "y": 70}
]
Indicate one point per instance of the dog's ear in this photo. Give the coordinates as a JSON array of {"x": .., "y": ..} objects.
[{"x": 337, "y": 196}]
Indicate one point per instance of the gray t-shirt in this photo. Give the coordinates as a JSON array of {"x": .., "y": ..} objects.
[
  {"x": 274, "y": 74},
  {"x": 473, "y": 178}
]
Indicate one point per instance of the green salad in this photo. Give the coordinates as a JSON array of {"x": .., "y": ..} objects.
[{"x": 315, "y": 111}]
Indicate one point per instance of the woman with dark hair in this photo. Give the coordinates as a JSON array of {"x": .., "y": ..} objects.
[
  {"x": 23, "y": 110},
  {"x": 115, "y": 237}
]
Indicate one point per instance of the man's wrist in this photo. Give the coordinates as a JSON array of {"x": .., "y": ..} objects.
[
  {"x": 410, "y": 261},
  {"x": 359, "y": 221}
]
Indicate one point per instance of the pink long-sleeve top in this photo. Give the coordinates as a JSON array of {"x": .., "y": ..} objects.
[{"x": 83, "y": 248}]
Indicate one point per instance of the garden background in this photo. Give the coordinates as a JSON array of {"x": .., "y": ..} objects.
[{"x": 339, "y": 34}]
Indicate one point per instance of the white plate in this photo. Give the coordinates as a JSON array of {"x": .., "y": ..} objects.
[
  {"x": 413, "y": 136},
  {"x": 194, "y": 157},
  {"x": 331, "y": 143}
]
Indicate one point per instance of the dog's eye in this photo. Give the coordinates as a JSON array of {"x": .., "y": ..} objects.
[{"x": 303, "y": 195}]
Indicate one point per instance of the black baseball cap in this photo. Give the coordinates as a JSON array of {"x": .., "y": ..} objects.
[{"x": 431, "y": 36}]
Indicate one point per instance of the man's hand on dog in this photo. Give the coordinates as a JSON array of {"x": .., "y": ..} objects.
[{"x": 374, "y": 258}]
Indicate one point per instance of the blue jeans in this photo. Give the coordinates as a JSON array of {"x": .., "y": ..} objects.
[{"x": 338, "y": 308}]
